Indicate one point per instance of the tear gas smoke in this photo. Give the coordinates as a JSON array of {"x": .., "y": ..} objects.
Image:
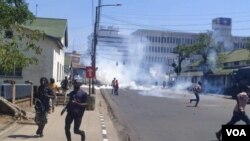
[
  {"x": 126, "y": 64},
  {"x": 133, "y": 71}
]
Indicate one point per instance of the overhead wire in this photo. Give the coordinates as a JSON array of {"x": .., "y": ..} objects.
[{"x": 155, "y": 26}]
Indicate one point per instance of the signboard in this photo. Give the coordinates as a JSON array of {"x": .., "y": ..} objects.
[{"x": 90, "y": 72}]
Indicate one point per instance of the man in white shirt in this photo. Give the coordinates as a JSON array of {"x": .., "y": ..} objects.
[{"x": 197, "y": 90}]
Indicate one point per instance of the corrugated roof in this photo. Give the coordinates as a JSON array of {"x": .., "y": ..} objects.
[
  {"x": 233, "y": 56},
  {"x": 50, "y": 26},
  {"x": 195, "y": 64},
  {"x": 237, "y": 55},
  {"x": 194, "y": 73},
  {"x": 221, "y": 71}
]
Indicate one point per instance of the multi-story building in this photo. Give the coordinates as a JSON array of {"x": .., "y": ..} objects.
[
  {"x": 111, "y": 46},
  {"x": 74, "y": 66},
  {"x": 159, "y": 45},
  {"x": 222, "y": 35}
]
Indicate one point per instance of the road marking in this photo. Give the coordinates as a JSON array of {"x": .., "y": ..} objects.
[{"x": 104, "y": 131}]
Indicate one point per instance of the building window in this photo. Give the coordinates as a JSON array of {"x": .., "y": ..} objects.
[
  {"x": 174, "y": 40},
  {"x": 236, "y": 63},
  {"x": 164, "y": 39},
  {"x": 170, "y": 40},
  {"x": 236, "y": 45},
  {"x": 225, "y": 64},
  {"x": 17, "y": 72},
  {"x": 178, "y": 40}
]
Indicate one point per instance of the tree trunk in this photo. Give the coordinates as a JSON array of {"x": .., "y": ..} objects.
[{"x": 8, "y": 108}]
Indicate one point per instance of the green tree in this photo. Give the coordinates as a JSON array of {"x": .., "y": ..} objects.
[
  {"x": 16, "y": 40},
  {"x": 183, "y": 52},
  {"x": 202, "y": 47}
]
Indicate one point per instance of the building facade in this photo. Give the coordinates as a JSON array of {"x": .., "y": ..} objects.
[
  {"x": 222, "y": 35},
  {"x": 111, "y": 45},
  {"x": 74, "y": 68},
  {"x": 159, "y": 45},
  {"x": 51, "y": 61}
]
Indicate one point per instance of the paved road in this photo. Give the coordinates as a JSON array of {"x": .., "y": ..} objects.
[{"x": 169, "y": 116}]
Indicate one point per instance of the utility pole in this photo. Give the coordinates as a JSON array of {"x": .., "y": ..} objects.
[
  {"x": 94, "y": 43},
  {"x": 36, "y": 9},
  {"x": 95, "y": 38}
]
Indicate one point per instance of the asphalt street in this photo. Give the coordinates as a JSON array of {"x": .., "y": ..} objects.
[{"x": 164, "y": 115}]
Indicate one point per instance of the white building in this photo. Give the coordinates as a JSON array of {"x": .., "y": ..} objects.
[
  {"x": 111, "y": 46},
  {"x": 222, "y": 35},
  {"x": 51, "y": 61},
  {"x": 159, "y": 45}
]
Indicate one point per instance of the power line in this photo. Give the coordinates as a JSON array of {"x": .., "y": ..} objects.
[
  {"x": 201, "y": 24},
  {"x": 183, "y": 15},
  {"x": 157, "y": 26}
]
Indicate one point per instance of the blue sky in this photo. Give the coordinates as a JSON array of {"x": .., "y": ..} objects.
[{"x": 177, "y": 15}]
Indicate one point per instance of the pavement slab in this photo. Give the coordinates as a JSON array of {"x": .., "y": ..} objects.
[{"x": 54, "y": 129}]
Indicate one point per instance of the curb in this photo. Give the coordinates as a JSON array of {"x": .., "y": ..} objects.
[
  {"x": 123, "y": 134},
  {"x": 7, "y": 127}
]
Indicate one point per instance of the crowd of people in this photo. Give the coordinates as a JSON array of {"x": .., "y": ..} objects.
[
  {"x": 75, "y": 108},
  {"x": 45, "y": 101}
]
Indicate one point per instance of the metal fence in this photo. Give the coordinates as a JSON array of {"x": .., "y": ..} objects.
[{"x": 21, "y": 91}]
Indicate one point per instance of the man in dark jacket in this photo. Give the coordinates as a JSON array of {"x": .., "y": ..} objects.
[
  {"x": 75, "y": 110},
  {"x": 42, "y": 105}
]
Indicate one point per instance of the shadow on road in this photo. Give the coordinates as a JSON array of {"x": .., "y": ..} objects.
[
  {"x": 23, "y": 136},
  {"x": 191, "y": 106}
]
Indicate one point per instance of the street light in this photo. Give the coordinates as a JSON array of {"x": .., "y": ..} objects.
[{"x": 94, "y": 43}]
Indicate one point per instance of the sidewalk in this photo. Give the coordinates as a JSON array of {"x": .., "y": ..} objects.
[{"x": 97, "y": 125}]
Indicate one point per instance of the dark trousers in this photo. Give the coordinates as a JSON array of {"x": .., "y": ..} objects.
[
  {"x": 77, "y": 118},
  {"x": 116, "y": 91},
  {"x": 39, "y": 131},
  {"x": 197, "y": 99},
  {"x": 237, "y": 116}
]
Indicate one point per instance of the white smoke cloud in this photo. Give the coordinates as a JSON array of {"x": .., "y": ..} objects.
[
  {"x": 129, "y": 74},
  {"x": 134, "y": 74}
]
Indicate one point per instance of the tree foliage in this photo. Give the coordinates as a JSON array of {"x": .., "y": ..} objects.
[
  {"x": 183, "y": 52},
  {"x": 16, "y": 41},
  {"x": 202, "y": 47}
]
